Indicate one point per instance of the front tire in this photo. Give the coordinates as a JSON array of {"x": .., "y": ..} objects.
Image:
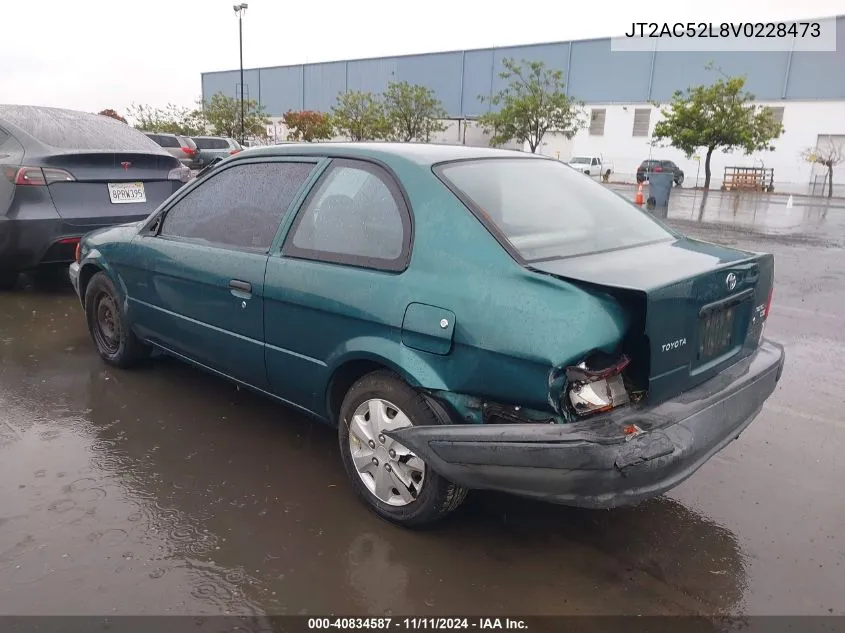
[
  {"x": 107, "y": 324},
  {"x": 679, "y": 181},
  {"x": 395, "y": 483}
]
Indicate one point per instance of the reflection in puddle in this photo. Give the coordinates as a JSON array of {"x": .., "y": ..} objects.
[
  {"x": 379, "y": 581},
  {"x": 78, "y": 526}
]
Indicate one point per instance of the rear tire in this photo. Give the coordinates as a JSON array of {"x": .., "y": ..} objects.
[
  {"x": 8, "y": 280},
  {"x": 107, "y": 324},
  {"x": 429, "y": 497}
]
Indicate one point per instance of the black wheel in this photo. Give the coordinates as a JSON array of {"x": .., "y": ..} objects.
[
  {"x": 115, "y": 341},
  {"x": 679, "y": 181},
  {"x": 8, "y": 280},
  {"x": 391, "y": 479}
]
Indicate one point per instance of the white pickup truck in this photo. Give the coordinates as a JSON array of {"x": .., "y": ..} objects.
[{"x": 592, "y": 166}]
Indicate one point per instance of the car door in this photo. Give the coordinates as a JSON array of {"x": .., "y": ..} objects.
[
  {"x": 197, "y": 284},
  {"x": 337, "y": 277}
]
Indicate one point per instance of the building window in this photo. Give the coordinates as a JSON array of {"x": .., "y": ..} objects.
[
  {"x": 597, "y": 117},
  {"x": 778, "y": 114},
  {"x": 642, "y": 119}
]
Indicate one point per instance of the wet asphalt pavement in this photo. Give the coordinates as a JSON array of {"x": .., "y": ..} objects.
[{"x": 167, "y": 491}]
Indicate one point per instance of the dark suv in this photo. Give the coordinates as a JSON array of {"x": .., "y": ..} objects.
[{"x": 649, "y": 166}]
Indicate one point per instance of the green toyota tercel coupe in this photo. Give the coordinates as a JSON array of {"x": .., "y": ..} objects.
[{"x": 466, "y": 317}]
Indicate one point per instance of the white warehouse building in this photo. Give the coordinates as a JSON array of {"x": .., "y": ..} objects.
[{"x": 806, "y": 89}]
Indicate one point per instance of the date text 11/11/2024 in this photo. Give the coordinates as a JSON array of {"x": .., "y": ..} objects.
[
  {"x": 416, "y": 624},
  {"x": 725, "y": 29}
]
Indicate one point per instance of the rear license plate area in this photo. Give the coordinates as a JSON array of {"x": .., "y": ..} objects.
[
  {"x": 126, "y": 192},
  {"x": 717, "y": 326},
  {"x": 716, "y": 332}
]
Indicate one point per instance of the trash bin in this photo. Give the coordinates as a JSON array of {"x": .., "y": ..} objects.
[{"x": 659, "y": 190}]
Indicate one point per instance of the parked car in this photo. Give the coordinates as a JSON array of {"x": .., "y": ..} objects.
[
  {"x": 594, "y": 166},
  {"x": 182, "y": 147},
  {"x": 211, "y": 147},
  {"x": 649, "y": 166},
  {"x": 65, "y": 173},
  {"x": 467, "y": 317}
]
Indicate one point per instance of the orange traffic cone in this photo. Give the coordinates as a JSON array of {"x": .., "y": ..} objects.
[{"x": 638, "y": 199}]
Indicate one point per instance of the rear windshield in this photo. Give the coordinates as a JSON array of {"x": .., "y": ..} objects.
[
  {"x": 165, "y": 141},
  {"x": 67, "y": 129},
  {"x": 580, "y": 160},
  {"x": 650, "y": 163},
  {"x": 548, "y": 210},
  {"x": 211, "y": 143}
]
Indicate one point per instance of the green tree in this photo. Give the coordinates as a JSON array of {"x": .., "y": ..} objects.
[
  {"x": 360, "y": 116},
  {"x": 719, "y": 116},
  {"x": 827, "y": 154},
  {"x": 112, "y": 114},
  {"x": 413, "y": 112},
  {"x": 223, "y": 115},
  {"x": 308, "y": 125},
  {"x": 172, "y": 119},
  {"x": 533, "y": 103}
]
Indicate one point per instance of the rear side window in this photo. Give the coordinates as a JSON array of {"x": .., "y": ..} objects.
[
  {"x": 240, "y": 207},
  {"x": 211, "y": 143},
  {"x": 68, "y": 129},
  {"x": 165, "y": 141},
  {"x": 356, "y": 216}
]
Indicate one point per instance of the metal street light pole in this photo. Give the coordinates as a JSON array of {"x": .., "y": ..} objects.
[{"x": 239, "y": 9}]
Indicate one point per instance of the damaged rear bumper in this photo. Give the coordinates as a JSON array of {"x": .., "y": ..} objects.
[{"x": 594, "y": 464}]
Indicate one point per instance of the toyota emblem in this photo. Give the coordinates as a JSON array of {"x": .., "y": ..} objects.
[
  {"x": 730, "y": 281},
  {"x": 126, "y": 165}
]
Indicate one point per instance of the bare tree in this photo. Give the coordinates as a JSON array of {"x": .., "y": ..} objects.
[{"x": 828, "y": 154}]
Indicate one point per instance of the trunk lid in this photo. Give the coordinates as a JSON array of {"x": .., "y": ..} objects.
[
  {"x": 87, "y": 200},
  {"x": 698, "y": 307}
]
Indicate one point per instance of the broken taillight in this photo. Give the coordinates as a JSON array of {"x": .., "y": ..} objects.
[{"x": 593, "y": 391}]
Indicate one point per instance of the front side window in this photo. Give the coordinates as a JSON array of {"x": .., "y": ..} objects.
[
  {"x": 355, "y": 216},
  {"x": 546, "y": 211},
  {"x": 241, "y": 206}
]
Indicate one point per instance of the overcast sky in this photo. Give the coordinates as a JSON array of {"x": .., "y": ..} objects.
[{"x": 95, "y": 54}]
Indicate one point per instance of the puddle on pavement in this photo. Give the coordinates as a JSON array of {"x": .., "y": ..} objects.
[{"x": 766, "y": 214}]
